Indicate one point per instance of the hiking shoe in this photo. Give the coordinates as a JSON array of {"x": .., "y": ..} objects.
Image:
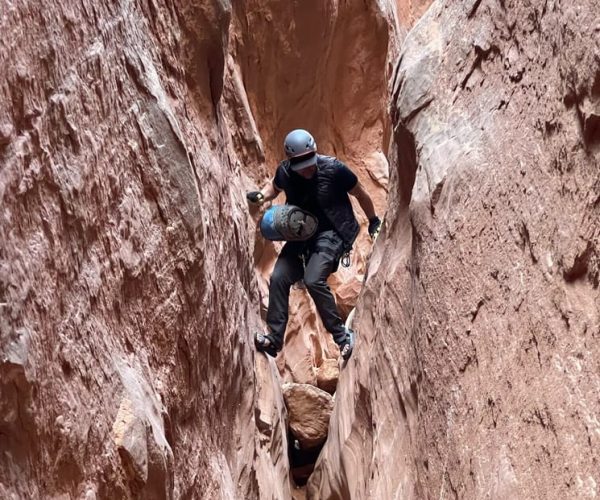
[
  {"x": 347, "y": 345},
  {"x": 266, "y": 344}
]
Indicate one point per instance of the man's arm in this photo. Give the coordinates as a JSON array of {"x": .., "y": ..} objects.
[
  {"x": 268, "y": 193},
  {"x": 364, "y": 200},
  {"x": 366, "y": 203}
]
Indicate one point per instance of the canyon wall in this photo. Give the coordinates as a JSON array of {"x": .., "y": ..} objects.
[
  {"x": 129, "y": 133},
  {"x": 476, "y": 369},
  {"x": 127, "y": 367}
]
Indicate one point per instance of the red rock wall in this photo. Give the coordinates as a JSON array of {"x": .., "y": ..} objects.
[
  {"x": 127, "y": 293},
  {"x": 409, "y": 11},
  {"x": 475, "y": 373}
]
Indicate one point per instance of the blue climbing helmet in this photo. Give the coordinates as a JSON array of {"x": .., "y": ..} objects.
[{"x": 301, "y": 149}]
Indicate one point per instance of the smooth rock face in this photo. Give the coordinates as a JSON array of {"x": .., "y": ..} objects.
[
  {"x": 309, "y": 409},
  {"x": 475, "y": 373}
]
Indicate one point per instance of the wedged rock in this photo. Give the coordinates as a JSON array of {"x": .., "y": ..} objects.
[
  {"x": 328, "y": 374},
  {"x": 309, "y": 409}
]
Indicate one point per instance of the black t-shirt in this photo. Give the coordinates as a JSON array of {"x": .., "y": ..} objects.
[{"x": 344, "y": 178}]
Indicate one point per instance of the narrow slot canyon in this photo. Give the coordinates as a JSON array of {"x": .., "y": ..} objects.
[{"x": 134, "y": 276}]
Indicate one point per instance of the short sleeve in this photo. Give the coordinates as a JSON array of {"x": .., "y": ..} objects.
[
  {"x": 278, "y": 179},
  {"x": 345, "y": 177}
]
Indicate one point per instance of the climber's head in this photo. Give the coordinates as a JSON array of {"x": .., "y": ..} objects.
[{"x": 301, "y": 150}]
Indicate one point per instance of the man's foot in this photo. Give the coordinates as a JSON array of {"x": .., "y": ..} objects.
[
  {"x": 266, "y": 344},
  {"x": 347, "y": 345}
]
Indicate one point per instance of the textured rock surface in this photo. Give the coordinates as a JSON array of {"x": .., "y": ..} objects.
[
  {"x": 309, "y": 409},
  {"x": 125, "y": 308},
  {"x": 410, "y": 11},
  {"x": 327, "y": 375},
  {"x": 475, "y": 374}
]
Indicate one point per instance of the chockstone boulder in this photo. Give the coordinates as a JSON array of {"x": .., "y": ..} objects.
[{"x": 309, "y": 409}]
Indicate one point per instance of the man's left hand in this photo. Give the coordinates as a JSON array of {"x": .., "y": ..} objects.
[{"x": 374, "y": 226}]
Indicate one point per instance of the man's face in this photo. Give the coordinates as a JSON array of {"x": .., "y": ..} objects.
[{"x": 307, "y": 172}]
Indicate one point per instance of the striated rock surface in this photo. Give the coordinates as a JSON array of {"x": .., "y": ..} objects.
[
  {"x": 309, "y": 409},
  {"x": 475, "y": 373},
  {"x": 127, "y": 294}
]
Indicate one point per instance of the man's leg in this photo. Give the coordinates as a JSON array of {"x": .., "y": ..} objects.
[
  {"x": 319, "y": 267},
  {"x": 288, "y": 270}
]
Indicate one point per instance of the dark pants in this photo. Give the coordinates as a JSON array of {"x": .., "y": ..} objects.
[{"x": 322, "y": 257}]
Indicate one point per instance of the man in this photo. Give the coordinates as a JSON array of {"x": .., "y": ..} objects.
[{"x": 320, "y": 185}]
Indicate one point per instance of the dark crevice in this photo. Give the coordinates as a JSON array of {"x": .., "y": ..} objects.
[
  {"x": 435, "y": 195},
  {"x": 473, "y": 9},
  {"x": 595, "y": 91},
  {"x": 406, "y": 153},
  {"x": 580, "y": 265},
  {"x": 591, "y": 131},
  {"x": 417, "y": 110},
  {"x": 302, "y": 460},
  {"x": 475, "y": 312}
]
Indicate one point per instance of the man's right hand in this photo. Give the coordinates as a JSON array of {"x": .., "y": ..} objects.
[
  {"x": 374, "y": 227},
  {"x": 255, "y": 197}
]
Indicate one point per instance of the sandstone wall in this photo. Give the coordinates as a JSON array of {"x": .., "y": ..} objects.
[
  {"x": 127, "y": 293},
  {"x": 476, "y": 369},
  {"x": 409, "y": 12}
]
